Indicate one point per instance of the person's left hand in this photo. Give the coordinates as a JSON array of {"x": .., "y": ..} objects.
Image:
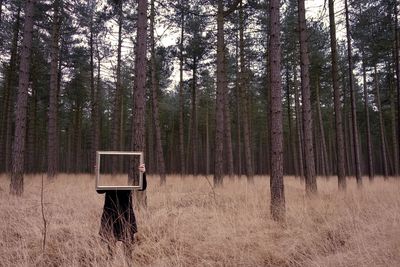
[{"x": 142, "y": 168}]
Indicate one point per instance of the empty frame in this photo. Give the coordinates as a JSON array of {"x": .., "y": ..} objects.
[{"x": 115, "y": 170}]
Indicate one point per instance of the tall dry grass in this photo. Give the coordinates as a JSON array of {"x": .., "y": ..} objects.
[{"x": 185, "y": 225}]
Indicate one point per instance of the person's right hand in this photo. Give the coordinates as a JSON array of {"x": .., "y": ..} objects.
[{"x": 142, "y": 168}]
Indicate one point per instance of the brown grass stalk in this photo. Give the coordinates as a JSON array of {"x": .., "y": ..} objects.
[{"x": 182, "y": 226}]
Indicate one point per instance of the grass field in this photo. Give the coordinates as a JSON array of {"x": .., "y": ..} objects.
[{"x": 186, "y": 225}]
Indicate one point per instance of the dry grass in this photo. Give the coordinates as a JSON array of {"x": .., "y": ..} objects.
[{"x": 185, "y": 226}]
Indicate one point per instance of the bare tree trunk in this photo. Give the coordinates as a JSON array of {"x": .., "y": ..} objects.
[
  {"x": 219, "y": 113},
  {"x": 78, "y": 138},
  {"x": 238, "y": 110},
  {"x": 397, "y": 78},
  {"x": 311, "y": 182},
  {"x": 244, "y": 98},
  {"x": 93, "y": 97},
  {"x": 276, "y": 181},
  {"x": 181, "y": 99},
  {"x": 155, "y": 88},
  {"x": 393, "y": 126},
  {"x": 1, "y": 10},
  {"x": 289, "y": 160},
  {"x": 381, "y": 125},
  {"x": 52, "y": 163},
  {"x": 227, "y": 127},
  {"x": 340, "y": 155},
  {"x": 353, "y": 102},
  {"x": 7, "y": 109},
  {"x": 299, "y": 128},
  {"x": 370, "y": 164},
  {"x": 116, "y": 139},
  {"x": 138, "y": 123},
  {"x": 325, "y": 170},
  {"x": 17, "y": 178},
  {"x": 194, "y": 123},
  {"x": 207, "y": 145},
  {"x": 32, "y": 133}
]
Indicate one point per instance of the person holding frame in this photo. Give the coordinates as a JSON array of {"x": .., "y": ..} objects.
[{"x": 118, "y": 222}]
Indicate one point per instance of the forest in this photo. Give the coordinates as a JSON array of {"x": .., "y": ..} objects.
[
  {"x": 270, "y": 130},
  {"x": 75, "y": 91}
]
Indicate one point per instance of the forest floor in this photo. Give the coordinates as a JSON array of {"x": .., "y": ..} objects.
[{"x": 185, "y": 224}]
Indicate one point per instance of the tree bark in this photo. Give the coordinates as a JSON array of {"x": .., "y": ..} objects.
[
  {"x": 370, "y": 164},
  {"x": 155, "y": 88},
  {"x": 381, "y": 125},
  {"x": 52, "y": 154},
  {"x": 276, "y": 181},
  {"x": 93, "y": 97},
  {"x": 227, "y": 126},
  {"x": 8, "y": 96},
  {"x": 353, "y": 102},
  {"x": 238, "y": 114},
  {"x": 181, "y": 97},
  {"x": 299, "y": 127},
  {"x": 194, "y": 123},
  {"x": 138, "y": 140},
  {"x": 311, "y": 182},
  {"x": 116, "y": 139},
  {"x": 325, "y": 170},
  {"x": 17, "y": 178},
  {"x": 393, "y": 126},
  {"x": 397, "y": 76},
  {"x": 244, "y": 99},
  {"x": 219, "y": 113}
]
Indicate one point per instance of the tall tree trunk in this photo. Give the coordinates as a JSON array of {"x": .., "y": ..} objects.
[
  {"x": 139, "y": 104},
  {"x": 244, "y": 99},
  {"x": 93, "y": 97},
  {"x": 207, "y": 144},
  {"x": 52, "y": 164},
  {"x": 288, "y": 150},
  {"x": 292, "y": 144},
  {"x": 353, "y": 101},
  {"x": 397, "y": 76},
  {"x": 78, "y": 138},
  {"x": 181, "y": 97},
  {"x": 381, "y": 125},
  {"x": 227, "y": 126},
  {"x": 151, "y": 161},
  {"x": 1, "y": 11},
  {"x": 311, "y": 182},
  {"x": 194, "y": 122},
  {"x": 299, "y": 127},
  {"x": 219, "y": 112},
  {"x": 97, "y": 107},
  {"x": 238, "y": 110},
  {"x": 17, "y": 178},
  {"x": 155, "y": 88},
  {"x": 370, "y": 164},
  {"x": 393, "y": 126},
  {"x": 116, "y": 139},
  {"x": 325, "y": 170},
  {"x": 32, "y": 133},
  {"x": 8, "y": 96},
  {"x": 276, "y": 181},
  {"x": 340, "y": 155}
]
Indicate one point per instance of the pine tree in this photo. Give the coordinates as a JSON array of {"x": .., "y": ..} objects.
[{"x": 17, "y": 172}]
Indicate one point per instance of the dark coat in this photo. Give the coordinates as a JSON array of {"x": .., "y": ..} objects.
[{"x": 118, "y": 220}]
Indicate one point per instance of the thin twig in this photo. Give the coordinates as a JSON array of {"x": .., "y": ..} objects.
[{"x": 44, "y": 218}]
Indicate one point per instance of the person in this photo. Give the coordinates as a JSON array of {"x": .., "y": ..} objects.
[{"x": 118, "y": 222}]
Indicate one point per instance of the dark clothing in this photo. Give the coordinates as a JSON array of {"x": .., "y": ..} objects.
[{"x": 118, "y": 220}]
